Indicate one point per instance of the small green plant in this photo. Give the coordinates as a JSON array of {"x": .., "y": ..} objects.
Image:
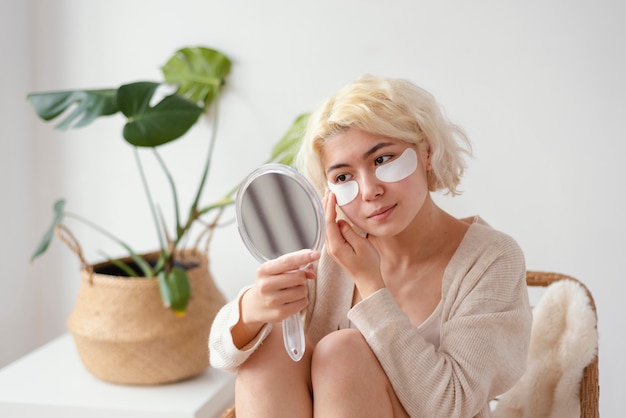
[{"x": 198, "y": 75}]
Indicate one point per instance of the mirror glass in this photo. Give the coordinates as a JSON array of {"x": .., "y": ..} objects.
[{"x": 278, "y": 212}]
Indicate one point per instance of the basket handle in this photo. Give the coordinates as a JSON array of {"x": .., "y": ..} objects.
[{"x": 70, "y": 240}]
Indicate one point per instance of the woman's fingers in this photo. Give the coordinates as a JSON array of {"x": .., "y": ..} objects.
[
  {"x": 352, "y": 251},
  {"x": 348, "y": 233},
  {"x": 289, "y": 262},
  {"x": 340, "y": 236},
  {"x": 280, "y": 289},
  {"x": 334, "y": 236}
]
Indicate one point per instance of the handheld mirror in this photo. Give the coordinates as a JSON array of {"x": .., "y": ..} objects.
[{"x": 278, "y": 212}]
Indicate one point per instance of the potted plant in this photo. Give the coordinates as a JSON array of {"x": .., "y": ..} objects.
[{"x": 121, "y": 325}]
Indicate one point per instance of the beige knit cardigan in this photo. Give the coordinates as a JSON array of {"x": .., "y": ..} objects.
[{"x": 485, "y": 328}]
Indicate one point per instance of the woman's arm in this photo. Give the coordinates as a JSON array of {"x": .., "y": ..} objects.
[
  {"x": 223, "y": 352},
  {"x": 484, "y": 338}
]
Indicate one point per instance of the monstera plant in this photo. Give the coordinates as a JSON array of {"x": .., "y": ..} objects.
[{"x": 197, "y": 77}]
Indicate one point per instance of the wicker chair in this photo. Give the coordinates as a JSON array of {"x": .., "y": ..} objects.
[{"x": 589, "y": 385}]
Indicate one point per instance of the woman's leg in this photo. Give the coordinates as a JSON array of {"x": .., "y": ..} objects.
[
  {"x": 271, "y": 384},
  {"x": 348, "y": 380}
]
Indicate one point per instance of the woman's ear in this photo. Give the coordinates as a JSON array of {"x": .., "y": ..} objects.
[{"x": 427, "y": 162}]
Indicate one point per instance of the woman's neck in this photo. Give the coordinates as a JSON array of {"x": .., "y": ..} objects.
[{"x": 430, "y": 234}]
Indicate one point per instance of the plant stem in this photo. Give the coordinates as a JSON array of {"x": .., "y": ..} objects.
[
  {"x": 193, "y": 211},
  {"x": 97, "y": 228},
  {"x": 170, "y": 179},
  {"x": 150, "y": 201},
  {"x": 222, "y": 203},
  {"x": 209, "y": 157},
  {"x": 141, "y": 263},
  {"x": 226, "y": 200}
]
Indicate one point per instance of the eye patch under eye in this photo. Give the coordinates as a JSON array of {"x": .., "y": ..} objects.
[
  {"x": 399, "y": 169},
  {"x": 344, "y": 192}
]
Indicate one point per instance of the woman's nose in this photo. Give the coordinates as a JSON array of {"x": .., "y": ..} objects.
[{"x": 371, "y": 187}]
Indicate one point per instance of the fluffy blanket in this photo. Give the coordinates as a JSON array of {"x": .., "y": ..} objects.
[{"x": 564, "y": 341}]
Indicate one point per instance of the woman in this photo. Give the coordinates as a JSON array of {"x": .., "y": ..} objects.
[{"x": 409, "y": 311}]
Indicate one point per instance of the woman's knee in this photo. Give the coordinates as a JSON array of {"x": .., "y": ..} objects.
[
  {"x": 345, "y": 372},
  {"x": 341, "y": 351},
  {"x": 342, "y": 341}
]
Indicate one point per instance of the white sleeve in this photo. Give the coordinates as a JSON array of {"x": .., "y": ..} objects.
[{"x": 223, "y": 353}]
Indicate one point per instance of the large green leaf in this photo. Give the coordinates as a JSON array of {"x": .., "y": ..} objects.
[
  {"x": 198, "y": 72},
  {"x": 285, "y": 150},
  {"x": 175, "y": 290},
  {"x": 149, "y": 126},
  {"x": 59, "y": 208},
  {"x": 88, "y": 105}
]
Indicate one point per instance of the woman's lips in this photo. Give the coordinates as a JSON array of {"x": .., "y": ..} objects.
[{"x": 381, "y": 213}]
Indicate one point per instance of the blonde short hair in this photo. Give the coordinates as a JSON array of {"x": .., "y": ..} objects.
[{"x": 394, "y": 108}]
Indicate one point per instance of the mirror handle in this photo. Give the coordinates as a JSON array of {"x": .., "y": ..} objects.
[{"x": 293, "y": 336}]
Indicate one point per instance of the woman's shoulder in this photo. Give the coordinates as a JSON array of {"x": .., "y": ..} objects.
[
  {"x": 482, "y": 247},
  {"x": 489, "y": 265},
  {"x": 481, "y": 236}
]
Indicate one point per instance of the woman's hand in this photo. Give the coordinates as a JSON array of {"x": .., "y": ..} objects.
[
  {"x": 279, "y": 292},
  {"x": 354, "y": 253}
]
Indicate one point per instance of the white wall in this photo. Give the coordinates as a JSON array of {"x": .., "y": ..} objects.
[
  {"x": 19, "y": 301},
  {"x": 538, "y": 85}
]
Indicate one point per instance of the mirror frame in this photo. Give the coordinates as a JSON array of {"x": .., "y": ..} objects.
[{"x": 306, "y": 186}]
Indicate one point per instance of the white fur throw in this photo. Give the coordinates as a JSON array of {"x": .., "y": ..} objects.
[{"x": 563, "y": 342}]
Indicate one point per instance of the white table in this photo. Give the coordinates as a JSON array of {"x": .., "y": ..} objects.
[{"x": 51, "y": 382}]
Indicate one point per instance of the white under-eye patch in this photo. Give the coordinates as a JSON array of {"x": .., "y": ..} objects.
[
  {"x": 399, "y": 169},
  {"x": 344, "y": 192}
]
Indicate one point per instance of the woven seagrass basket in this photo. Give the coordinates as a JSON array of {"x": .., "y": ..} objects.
[{"x": 125, "y": 335}]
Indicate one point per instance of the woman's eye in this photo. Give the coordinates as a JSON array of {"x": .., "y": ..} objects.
[
  {"x": 342, "y": 178},
  {"x": 382, "y": 159}
]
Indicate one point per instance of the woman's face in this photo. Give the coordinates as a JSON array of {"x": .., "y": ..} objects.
[{"x": 379, "y": 182}]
